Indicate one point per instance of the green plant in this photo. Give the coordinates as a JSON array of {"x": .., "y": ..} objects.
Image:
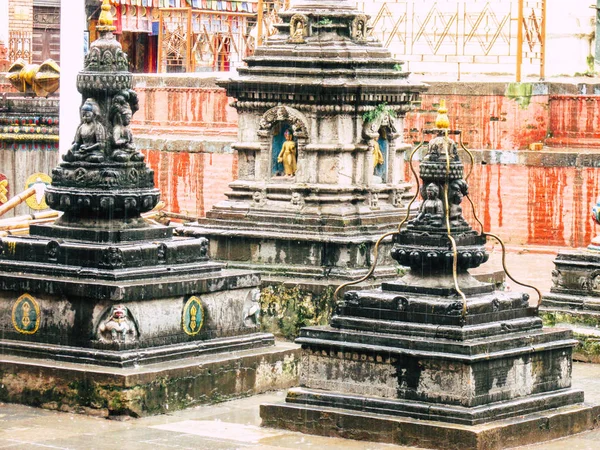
[
  {"x": 398, "y": 67},
  {"x": 325, "y": 21},
  {"x": 382, "y": 108}
]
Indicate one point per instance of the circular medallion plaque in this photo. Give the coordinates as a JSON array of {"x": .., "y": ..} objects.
[
  {"x": 37, "y": 201},
  {"x": 193, "y": 316},
  {"x": 26, "y": 315}
]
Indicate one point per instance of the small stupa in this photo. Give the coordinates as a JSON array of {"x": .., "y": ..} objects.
[
  {"x": 105, "y": 311},
  {"x": 471, "y": 363},
  {"x": 320, "y": 151}
]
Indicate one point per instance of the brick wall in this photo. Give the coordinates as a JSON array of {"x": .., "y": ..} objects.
[
  {"x": 526, "y": 197},
  {"x": 20, "y": 15}
]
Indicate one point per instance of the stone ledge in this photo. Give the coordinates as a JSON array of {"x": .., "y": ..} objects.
[
  {"x": 153, "y": 389},
  {"x": 523, "y": 430}
]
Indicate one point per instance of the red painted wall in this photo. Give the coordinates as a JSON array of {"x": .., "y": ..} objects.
[{"x": 526, "y": 197}]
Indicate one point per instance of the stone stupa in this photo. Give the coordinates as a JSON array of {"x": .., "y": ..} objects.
[
  {"x": 436, "y": 358},
  {"x": 320, "y": 153},
  {"x": 105, "y": 311}
]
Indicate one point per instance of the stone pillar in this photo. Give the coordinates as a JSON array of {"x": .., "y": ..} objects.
[{"x": 72, "y": 26}]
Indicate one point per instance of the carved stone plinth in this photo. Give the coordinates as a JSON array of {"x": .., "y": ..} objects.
[{"x": 436, "y": 345}]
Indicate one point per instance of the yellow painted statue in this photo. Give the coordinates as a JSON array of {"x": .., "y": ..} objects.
[
  {"x": 287, "y": 155},
  {"x": 377, "y": 155}
]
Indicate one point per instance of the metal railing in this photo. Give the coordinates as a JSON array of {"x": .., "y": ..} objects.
[
  {"x": 443, "y": 35},
  {"x": 193, "y": 40},
  {"x": 20, "y": 46}
]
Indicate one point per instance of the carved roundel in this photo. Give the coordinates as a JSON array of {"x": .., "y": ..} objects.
[
  {"x": 192, "y": 317},
  {"x": 26, "y": 315},
  {"x": 294, "y": 117}
]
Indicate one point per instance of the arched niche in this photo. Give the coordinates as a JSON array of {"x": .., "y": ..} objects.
[{"x": 274, "y": 125}]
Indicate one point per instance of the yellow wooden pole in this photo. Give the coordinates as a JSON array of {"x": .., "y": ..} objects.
[
  {"x": 520, "y": 41},
  {"x": 543, "y": 43},
  {"x": 259, "y": 25}
]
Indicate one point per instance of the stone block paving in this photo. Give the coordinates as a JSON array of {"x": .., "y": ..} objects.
[{"x": 235, "y": 425}]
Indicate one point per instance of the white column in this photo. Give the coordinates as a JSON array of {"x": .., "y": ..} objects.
[
  {"x": 72, "y": 25},
  {"x": 4, "y": 22}
]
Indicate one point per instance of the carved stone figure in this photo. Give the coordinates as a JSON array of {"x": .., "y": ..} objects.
[
  {"x": 252, "y": 309},
  {"x": 287, "y": 155},
  {"x": 458, "y": 190},
  {"x": 359, "y": 28},
  {"x": 117, "y": 328},
  {"x": 90, "y": 138},
  {"x": 298, "y": 28},
  {"x": 432, "y": 209},
  {"x": 122, "y": 139}
]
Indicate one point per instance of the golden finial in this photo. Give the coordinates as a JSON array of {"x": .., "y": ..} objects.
[
  {"x": 105, "y": 22},
  {"x": 442, "y": 121}
]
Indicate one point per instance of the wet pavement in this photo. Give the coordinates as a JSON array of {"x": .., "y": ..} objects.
[
  {"x": 226, "y": 426},
  {"x": 236, "y": 424}
]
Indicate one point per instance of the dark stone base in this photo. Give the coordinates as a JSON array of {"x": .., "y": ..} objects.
[
  {"x": 135, "y": 356},
  {"x": 436, "y": 412},
  {"x": 151, "y": 389},
  {"x": 574, "y": 300},
  {"x": 523, "y": 430}
]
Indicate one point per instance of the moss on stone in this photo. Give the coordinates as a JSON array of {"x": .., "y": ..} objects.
[{"x": 284, "y": 310}]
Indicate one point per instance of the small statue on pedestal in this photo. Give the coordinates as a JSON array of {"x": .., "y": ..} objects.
[
  {"x": 287, "y": 155},
  {"x": 90, "y": 138},
  {"x": 122, "y": 139},
  {"x": 432, "y": 209}
]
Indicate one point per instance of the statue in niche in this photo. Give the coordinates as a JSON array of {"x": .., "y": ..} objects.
[
  {"x": 122, "y": 139},
  {"x": 432, "y": 209},
  {"x": 298, "y": 30},
  {"x": 377, "y": 156},
  {"x": 287, "y": 155},
  {"x": 90, "y": 138},
  {"x": 117, "y": 327},
  {"x": 458, "y": 190}
]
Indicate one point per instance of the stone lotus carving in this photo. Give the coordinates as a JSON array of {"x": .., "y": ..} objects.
[{"x": 118, "y": 327}]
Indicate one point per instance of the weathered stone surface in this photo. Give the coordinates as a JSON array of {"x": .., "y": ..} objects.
[
  {"x": 508, "y": 433},
  {"x": 340, "y": 97},
  {"x": 155, "y": 389},
  {"x": 104, "y": 288}
]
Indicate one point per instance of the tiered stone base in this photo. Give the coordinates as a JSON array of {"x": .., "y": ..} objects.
[
  {"x": 405, "y": 352},
  {"x": 149, "y": 389},
  {"x": 498, "y": 434},
  {"x": 574, "y": 300}
]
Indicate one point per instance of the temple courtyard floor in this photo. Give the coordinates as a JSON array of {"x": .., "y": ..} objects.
[{"x": 236, "y": 424}]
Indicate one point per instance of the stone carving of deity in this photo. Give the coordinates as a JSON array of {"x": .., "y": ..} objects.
[
  {"x": 287, "y": 155},
  {"x": 122, "y": 139},
  {"x": 377, "y": 155},
  {"x": 90, "y": 138},
  {"x": 298, "y": 30},
  {"x": 432, "y": 209},
  {"x": 458, "y": 190}
]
